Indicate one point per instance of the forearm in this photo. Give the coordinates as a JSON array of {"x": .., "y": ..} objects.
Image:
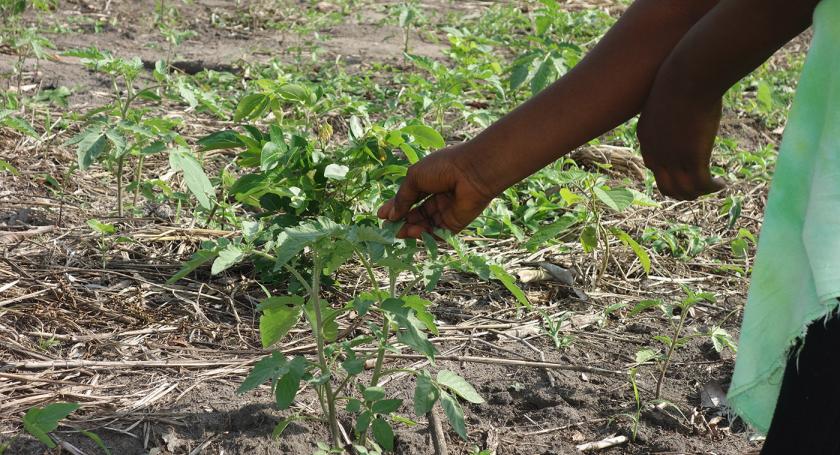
[
  {"x": 728, "y": 43},
  {"x": 608, "y": 87}
]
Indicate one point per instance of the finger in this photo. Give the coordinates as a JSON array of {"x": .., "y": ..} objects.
[
  {"x": 385, "y": 209},
  {"x": 406, "y": 197}
]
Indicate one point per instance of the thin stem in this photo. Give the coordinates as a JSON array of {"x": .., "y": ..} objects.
[
  {"x": 137, "y": 176},
  {"x": 120, "y": 186},
  {"x": 322, "y": 359},
  {"x": 671, "y": 348}
]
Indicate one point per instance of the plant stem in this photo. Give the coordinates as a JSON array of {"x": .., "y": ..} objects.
[
  {"x": 137, "y": 176},
  {"x": 671, "y": 349},
  {"x": 120, "y": 186},
  {"x": 322, "y": 359}
]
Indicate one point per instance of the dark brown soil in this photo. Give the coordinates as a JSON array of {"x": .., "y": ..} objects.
[{"x": 150, "y": 410}]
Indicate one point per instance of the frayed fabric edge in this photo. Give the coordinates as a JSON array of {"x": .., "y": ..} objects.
[{"x": 831, "y": 308}]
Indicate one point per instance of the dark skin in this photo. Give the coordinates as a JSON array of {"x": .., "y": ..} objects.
[{"x": 670, "y": 61}]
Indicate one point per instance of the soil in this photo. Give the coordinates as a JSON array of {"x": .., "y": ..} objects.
[{"x": 63, "y": 289}]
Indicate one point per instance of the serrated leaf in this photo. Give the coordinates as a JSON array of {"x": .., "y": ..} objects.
[
  {"x": 40, "y": 421},
  {"x": 646, "y": 355},
  {"x": 459, "y": 385},
  {"x": 542, "y": 77},
  {"x": 644, "y": 305},
  {"x": 336, "y": 171},
  {"x": 100, "y": 227},
  {"x": 425, "y": 136},
  {"x": 383, "y": 434},
  {"x": 198, "y": 259},
  {"x": 92, "y": 145},
  {"x": 194, "y": 176},
  {"x": 518, "y": 75},
  {"x": 264, "y": 370},
  {"x": 279, "y": 315},
  {"x": 454, "y": 414},
  {"x": 227, "y": 257}
]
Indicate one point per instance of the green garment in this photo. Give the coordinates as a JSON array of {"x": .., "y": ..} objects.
[{"x": 796, "y": 278}]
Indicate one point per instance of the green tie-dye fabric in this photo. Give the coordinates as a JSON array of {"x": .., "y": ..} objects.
[{"x": 796, "y": 278}]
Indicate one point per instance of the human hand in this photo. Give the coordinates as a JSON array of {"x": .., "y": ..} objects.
[
  {"x": 450, "y": 193},
  {"x": 677, "y": 137}
]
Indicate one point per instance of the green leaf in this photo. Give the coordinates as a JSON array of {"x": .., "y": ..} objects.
[
  {"x": 226, "y": 139},
  {"x": 96, "y": 440},
  {"x": 519, "y": 74},
  {"x": 383, "y": 434},
  {"x": 270, "y": 155},
  {"x": 251, "y": 106},
  {"x": 508, "y": 281},
  {"x": 286, "y": 390},
  {"x": 281, "y": 426},
  {"x": 194, "y": 176},
  {"x": 264, "y": 370},
  {"x": 200, "y": 257},
  {"x": 644, "y": 305},
  {"x": 363, "y": 422},
  {"x": 617, "y": 199},
  {"x": 646, "y": 355},
  {"x": 5, "y": 166},
  {"x": 425, "y": 136},
  {"x": 92, "y": 145},
  {"x": 279, "y": 315},
  {"x": 100, "y": 227},
  {"x": 589, "y": 239},
  {"x": 40, "y": 421},
  {"x": 373, "y": 393},
  {"x": 454, "y": 413},
  {"x": 336, "y": 171},
  {"x": 227, "y": 257},
  {"x": 357, "y": 131},
  {"x": 386, "y": 406},
  {"x": 426, "y": 393},
  {"x": 641, "y": 253},
  {"x": 18, "y": 124},
  {"x": 410, "y": 153},
  {"x": 459, "y": 385},
  {"x": 353, "y": 366},
  {"x": 542, "y": 77},
  {"x": 549, "y": 232},
  {"x": 293, "y": 240}
]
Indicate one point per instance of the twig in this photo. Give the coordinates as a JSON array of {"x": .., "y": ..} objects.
[
  {"x": 125, "y": 364},
  {"x": 602, "y": 444}
]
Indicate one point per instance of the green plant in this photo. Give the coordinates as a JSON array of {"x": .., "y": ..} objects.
[
  {"x": 677, "y": 315},
  {"x": 117, "y": 131},
  {"x": 335, "y": 372}
]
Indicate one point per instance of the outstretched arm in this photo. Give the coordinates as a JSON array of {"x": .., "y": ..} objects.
[{"x": 608, "y": 87}]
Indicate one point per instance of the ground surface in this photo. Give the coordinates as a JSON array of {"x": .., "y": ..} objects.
[{"x": 178, "y": 352}]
